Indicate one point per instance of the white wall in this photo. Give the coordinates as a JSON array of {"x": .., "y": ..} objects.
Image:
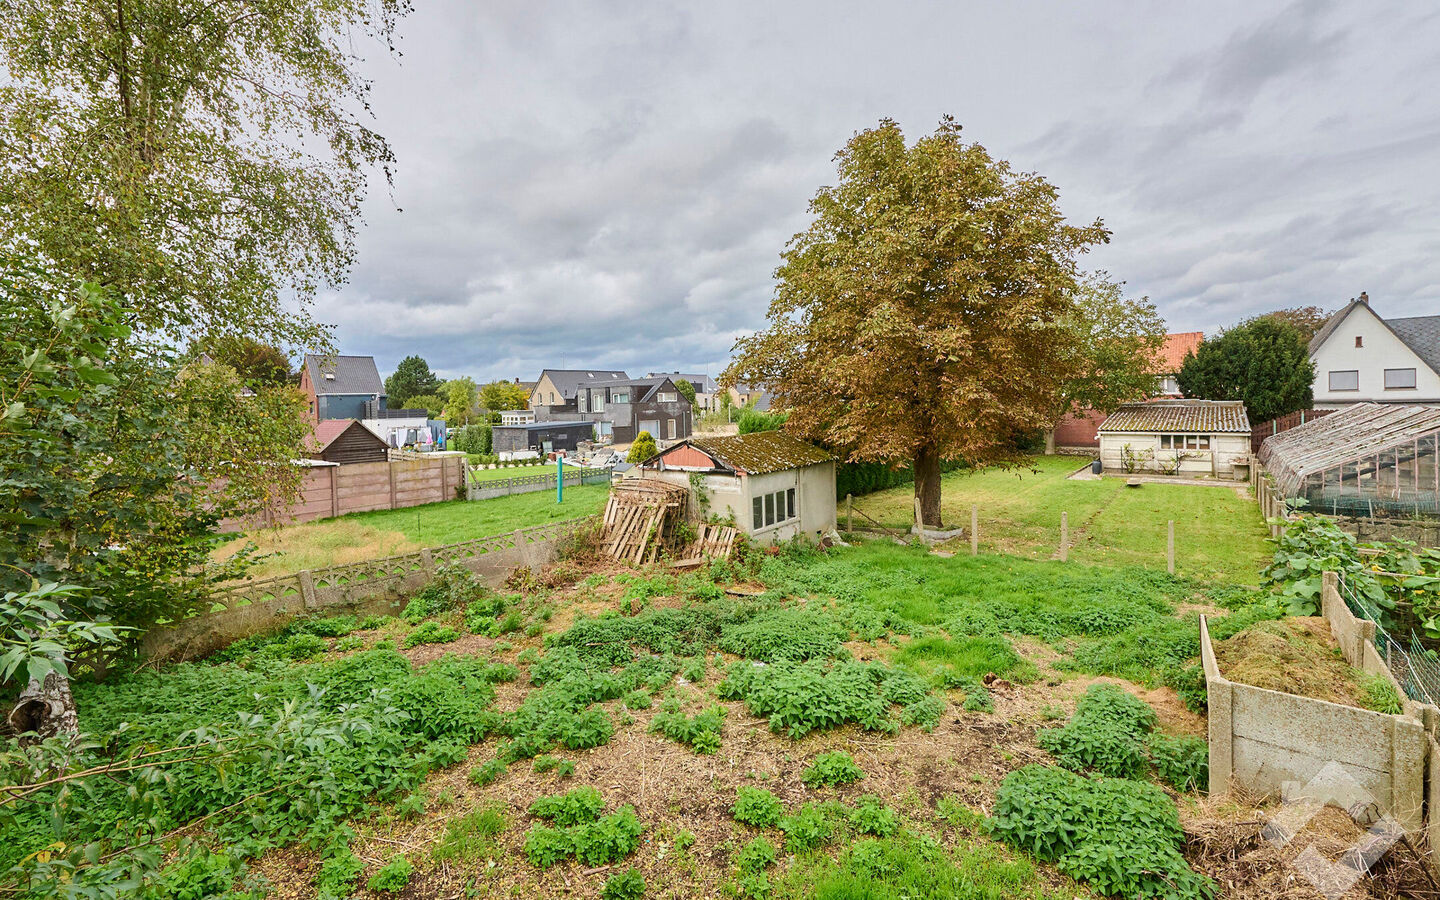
[
  {"x": 1381, "y": 350},
  {"x": 1219, "y": 460},
  {"x": 731, "y": 495}
]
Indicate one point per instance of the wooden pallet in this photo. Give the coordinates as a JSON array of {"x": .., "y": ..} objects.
[{"x": 637, "y": 517}]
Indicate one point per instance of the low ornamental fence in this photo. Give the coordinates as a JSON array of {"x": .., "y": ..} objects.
[{"x": 478, "y": 488}]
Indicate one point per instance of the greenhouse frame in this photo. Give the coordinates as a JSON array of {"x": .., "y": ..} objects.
[{"x": 1365, "y": 460}]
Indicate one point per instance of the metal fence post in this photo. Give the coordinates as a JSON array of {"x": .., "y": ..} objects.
[{"x": 1170, "y": 547}]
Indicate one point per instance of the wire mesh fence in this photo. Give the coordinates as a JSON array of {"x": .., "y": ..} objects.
[{"x": 1416, "y": 668}]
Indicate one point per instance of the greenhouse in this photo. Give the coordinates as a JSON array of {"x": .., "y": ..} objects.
[{"x": 1365, "y": 460}]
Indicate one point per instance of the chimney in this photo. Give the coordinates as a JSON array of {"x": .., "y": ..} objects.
[{"x": 1364, "y": 298}]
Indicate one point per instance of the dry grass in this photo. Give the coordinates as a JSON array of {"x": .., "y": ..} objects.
[{"x": 1296, "y": 656}]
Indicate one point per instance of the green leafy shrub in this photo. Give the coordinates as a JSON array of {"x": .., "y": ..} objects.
[
  {"x": 626, "y": 885},
  {"x": 340, "y": 868},
  {"x": 871, "y": 816},
  {"x": 788, "y": 633},
  {"x": 700, "y": 732},
  {"x": 757, "y": 807},
  {"x": 331, "y": 626},
  {"x": 411, "y": 807},
  {"x": 799, "y": 698},
  {"x": 1106, "y": 734},
  {"x": 392, "y": 877},
  {"x": 1183, "y": 762},
  {"x": 1121, "y": 837},
  {"x": 487, "y": 772},
  {"x": 807, "y": 829},
  {"x": 583, "y": 804},
  {"x": 430, "y": 633},
  {"x": 636, "y": 700},
  {"x": 595, "y": 843},
  {"x": 830, "y": 769},
  {"x": 755, "y": 856},
  {"x": 348, "y": 643}
]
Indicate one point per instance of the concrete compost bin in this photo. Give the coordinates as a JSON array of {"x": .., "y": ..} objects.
[{"x": 1272, "y": 743}]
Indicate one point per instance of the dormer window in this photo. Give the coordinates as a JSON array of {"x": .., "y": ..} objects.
[{"x": 1359, "y": 341}]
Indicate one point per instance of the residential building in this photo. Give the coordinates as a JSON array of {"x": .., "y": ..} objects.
[
  {"x": 517, "y": 416},
  {"x": 540, "y": 438},
  {"x": 1176, "y": 437},
  {"x": 707, "y": 392},
  {"x": 339, "y": 387},
  {"x": 553, "y": 397},
  {"x": 1361, "y": 357},
  {"x": 623, "y": 408},
  {"x": 777, "y": 487},
  {"x": 752, "y": 395},
  {"x": 1080, "y": 428}
]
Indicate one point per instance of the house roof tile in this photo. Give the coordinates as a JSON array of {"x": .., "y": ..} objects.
[
  {"x": 759, "y": 453},
  {"x": 1182, "y": 416},
  {"x": 1176, "y": 347},
  {"x": 353, "y": 374}
]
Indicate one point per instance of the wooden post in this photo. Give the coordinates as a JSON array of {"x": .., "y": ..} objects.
[
  {"x": 391, "y": 467},
  {"x": 1170, "y": 547},
  {"x": 1064, "y": 536},
  {"x": 974, "y": 530},
  {"x": 849, "y": 504},
  {"x": 334, "y": 493},
  {"x": 919, "y": 522}
]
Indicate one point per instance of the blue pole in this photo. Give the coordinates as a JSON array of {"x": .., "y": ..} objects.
[{"x": 559, "y": 478}]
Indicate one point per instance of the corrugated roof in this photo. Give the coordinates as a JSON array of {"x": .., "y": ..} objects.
[
  {"x": 1176, "y": 347},
  {"x": 1359, "y": 431},
  {"x": 1179, "y": 416},
  {"x": 759, "y": 453},
  {"x": 353, "y": 374}
]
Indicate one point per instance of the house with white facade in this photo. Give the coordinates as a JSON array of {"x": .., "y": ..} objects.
[{"x": 1362, "y": 358}]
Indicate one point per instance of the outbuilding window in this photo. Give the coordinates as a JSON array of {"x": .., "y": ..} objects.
[
  {"x": 774, "y": 508},
  {"x": 1184, "y": 442}
]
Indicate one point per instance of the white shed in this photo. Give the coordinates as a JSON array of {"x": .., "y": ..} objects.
[
  {"x": 1176, "y": 437},
  {"x": 776, "y": 486}
]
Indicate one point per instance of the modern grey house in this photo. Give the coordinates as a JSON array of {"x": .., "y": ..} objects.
[
  {"x": 553, "y": 397},
  {"x": 623, "y": 408},
  {"x": 706, "y": 389},
  {"x": 340, "y": 387},
  {"x": 540, "y": 438}
]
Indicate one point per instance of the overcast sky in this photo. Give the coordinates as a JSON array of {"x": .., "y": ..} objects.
[{"x": 610, "y": 184}]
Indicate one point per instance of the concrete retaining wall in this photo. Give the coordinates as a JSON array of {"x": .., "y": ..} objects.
[
  {"x": 379, "y": 586},
  {"x": 1262, "y": 739}
]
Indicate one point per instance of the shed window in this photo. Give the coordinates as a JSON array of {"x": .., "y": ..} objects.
[
  {"x": 1345, "y": 380},
  {"x": 757, "y": 507},
  {"x": 769, "y": 509},
  {"x": 790, "y": 503},
  {"x": 773, "y": 508},
  {"x": 1184, "y": 442},
  {"x": 1396, "y": 379}
]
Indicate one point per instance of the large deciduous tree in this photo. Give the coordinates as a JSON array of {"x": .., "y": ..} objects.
[
  {"x": 1117, "y": 342},
  {"x": 411, "y": 378},
  {"x": 1264, "y": 361},
  {"x": 502, "y": 395},
  {"x": 207, "y": 158},
  {"x": 462, "y": 396},
  {"x": 924, "y": 314},
  {"x": 1307, "y": 319}
]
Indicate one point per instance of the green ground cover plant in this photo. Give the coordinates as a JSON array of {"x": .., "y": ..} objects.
[
  {"x": 579, "y": 829},
  {"x": 701, "y": 732},
  {"x": 831, "y": 769},
  {"x": 392, "y": 877},
  {"x": 472, "y": 835},
  {"x": 1113, "y": 733},
  {"x": 757, "y": 807},
  {"x": 1122, "y": 837},
  {"x": 626, "y": 885}
]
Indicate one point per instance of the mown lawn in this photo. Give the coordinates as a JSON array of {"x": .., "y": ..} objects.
[
  {"x": 371, "y": 535},
  {"x": 1218, "y": 534},
  {"x": 510, "y": 472}
]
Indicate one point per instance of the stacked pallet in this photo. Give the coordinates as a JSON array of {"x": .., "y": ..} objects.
[
  {"x": 638, "y": 515},
  {"x": 711, "y": 542}
]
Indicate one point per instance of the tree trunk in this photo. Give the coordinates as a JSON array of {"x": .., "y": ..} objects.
[
  {"x": 1049, "y": 442},
  {"x": 927, "y": 485},
  {"x": 47, "y": 709}
]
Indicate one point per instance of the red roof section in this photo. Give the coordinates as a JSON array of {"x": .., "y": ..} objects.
[
  {"x": 1177, "y": 347},
  {"x": 329, "y": 429}
]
